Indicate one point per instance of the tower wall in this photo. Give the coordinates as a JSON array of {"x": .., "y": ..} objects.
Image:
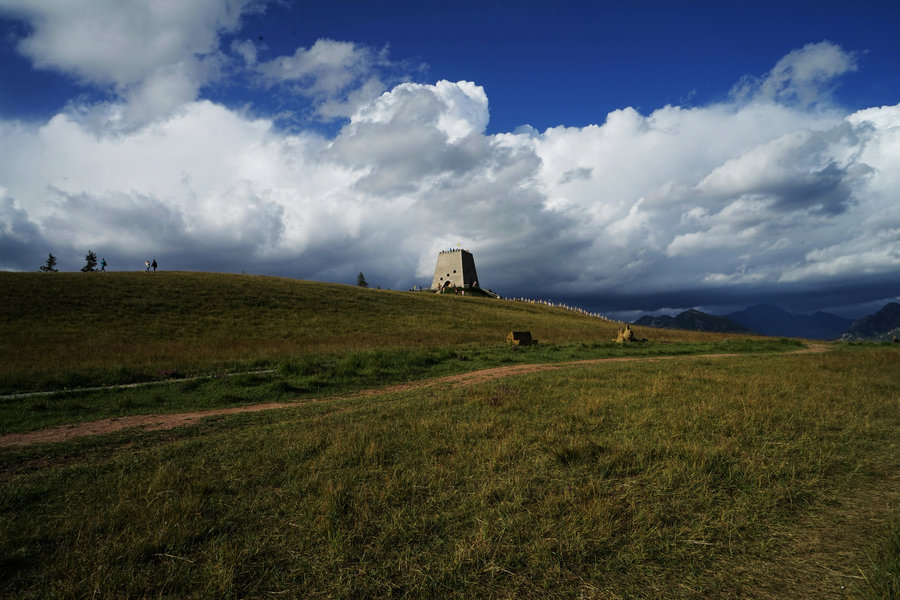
[{"x": 456, "y": 267}]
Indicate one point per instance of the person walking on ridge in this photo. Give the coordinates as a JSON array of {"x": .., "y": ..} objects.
[{"x": 154, "y": 265}]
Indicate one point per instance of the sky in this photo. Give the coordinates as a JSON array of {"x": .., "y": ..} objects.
[{"x": 630, "y": 158}]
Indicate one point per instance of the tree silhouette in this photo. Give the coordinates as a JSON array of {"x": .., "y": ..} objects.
[
  {"x": 90, "y": 262},
  {"x": 361, "y": 280},
  {"x": 50, "y": 265}
]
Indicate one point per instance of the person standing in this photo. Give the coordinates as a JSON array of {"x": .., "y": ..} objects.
[
  {"x": 102, "y": 264},
  {"x": 147, "y": 265},
  {"x": 154, "y": 265}
]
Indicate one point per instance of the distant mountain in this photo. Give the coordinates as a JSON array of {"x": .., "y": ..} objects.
[
  {"x": 771, "y": 320},
  {"x": 693, "y": 320},
  {"x": 883, "y": 325}
]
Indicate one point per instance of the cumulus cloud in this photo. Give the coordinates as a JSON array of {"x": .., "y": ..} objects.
[
  {"x": 457, "y": 109},
  {"x": 677, "y": 206},
  {"x": 415, "y": 135},
  {"x": 800, "y": 170},
  {"x": 121, "y": 44}
]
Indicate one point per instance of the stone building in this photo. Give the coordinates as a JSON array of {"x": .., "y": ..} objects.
[{"x": 455, "y": 268}]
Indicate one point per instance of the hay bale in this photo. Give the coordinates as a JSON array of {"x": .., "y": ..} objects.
[
  {"x": 519, "y": 338},
  {"x": 626, "y": 335}
]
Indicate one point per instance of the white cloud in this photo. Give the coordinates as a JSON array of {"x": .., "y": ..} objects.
[
  {"x": 153, "y": 56},
  {"x": 876, "y": 253},
  {"x": 160, "y": 94},
  {"x": 804, "y": 77},
  {"x": 327, "y": 67},
  {"x": 122, "y": 43},
  {"x": 247, "y": 50},
  {"x": 338, "y": 77},
  {"x": 456, "y": 109},
  {"x": 803, "y": 169}
]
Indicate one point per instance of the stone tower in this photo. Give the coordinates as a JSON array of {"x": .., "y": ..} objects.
[{"x": 455, "y": 268}]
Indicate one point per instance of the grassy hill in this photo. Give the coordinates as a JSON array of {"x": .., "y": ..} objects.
[{"x": 84, "y": 328}]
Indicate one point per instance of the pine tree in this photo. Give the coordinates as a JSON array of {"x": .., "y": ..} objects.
[
  {"x": 90, "y": 262},
  {"x": 361, "y": 280},
  {"x": 50, "y": 265}
]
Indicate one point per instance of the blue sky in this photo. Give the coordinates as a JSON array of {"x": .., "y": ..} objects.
[
  {"x": 603, "y": 55},
  {"x": 632, "y": 157}
]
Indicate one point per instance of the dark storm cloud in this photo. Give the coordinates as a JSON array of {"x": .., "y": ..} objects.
[{"x": 20, "y": 239}]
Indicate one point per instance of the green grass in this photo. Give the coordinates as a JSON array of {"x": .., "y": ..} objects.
[
  {"x": 681, "y": 479},
  {"x": 316, "y": 376}
]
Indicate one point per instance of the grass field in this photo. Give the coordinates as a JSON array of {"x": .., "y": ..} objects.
[
  {"x": 768, "y": 475},
  {"x": 81, "y": 329}
]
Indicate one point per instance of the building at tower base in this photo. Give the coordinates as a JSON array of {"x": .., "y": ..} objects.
[{"x": 455, "y": 268}]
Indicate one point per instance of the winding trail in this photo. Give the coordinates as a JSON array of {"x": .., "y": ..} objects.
[{"x": 170, "y": 421}]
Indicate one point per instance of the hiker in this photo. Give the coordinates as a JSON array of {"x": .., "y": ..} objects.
[
  {"x": 102, "y": 264},
  {"x": 147, "y": 265},
  {"x": 154, "y": 265}
]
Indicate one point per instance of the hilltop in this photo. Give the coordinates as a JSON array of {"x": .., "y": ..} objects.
[{"x": 145, "y": 308}]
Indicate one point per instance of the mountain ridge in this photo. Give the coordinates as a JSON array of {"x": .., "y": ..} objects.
[
  {"x": 693, "y": 320},
  {"x": 761, "y": 319},
  {"x": 883, "y": 325},
  {"x": 768, "y": 319}
]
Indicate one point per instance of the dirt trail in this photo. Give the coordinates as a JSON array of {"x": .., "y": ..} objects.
[{"x": 170, "y": 421}]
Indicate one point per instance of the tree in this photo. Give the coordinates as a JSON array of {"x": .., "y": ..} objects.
[
  {"x": 361, "y": 280},
  {"x": 90, "y": 262},
  {"x": 50, "y": 265}
]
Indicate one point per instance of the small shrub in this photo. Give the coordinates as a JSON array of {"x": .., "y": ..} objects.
[
  {"x": 249, "y": 380},
  {"x": 303, "y": 366},
  {"x": 283, "y": 387},
  {"x": 189, "y": 386},
  {"x": 128, "y": 404}
]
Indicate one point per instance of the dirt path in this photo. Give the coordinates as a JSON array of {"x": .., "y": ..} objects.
[{"x": 170, "y": 421}]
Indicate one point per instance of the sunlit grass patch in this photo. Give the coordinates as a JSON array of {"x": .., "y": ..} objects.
[{"x": 317, "y": 375}]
